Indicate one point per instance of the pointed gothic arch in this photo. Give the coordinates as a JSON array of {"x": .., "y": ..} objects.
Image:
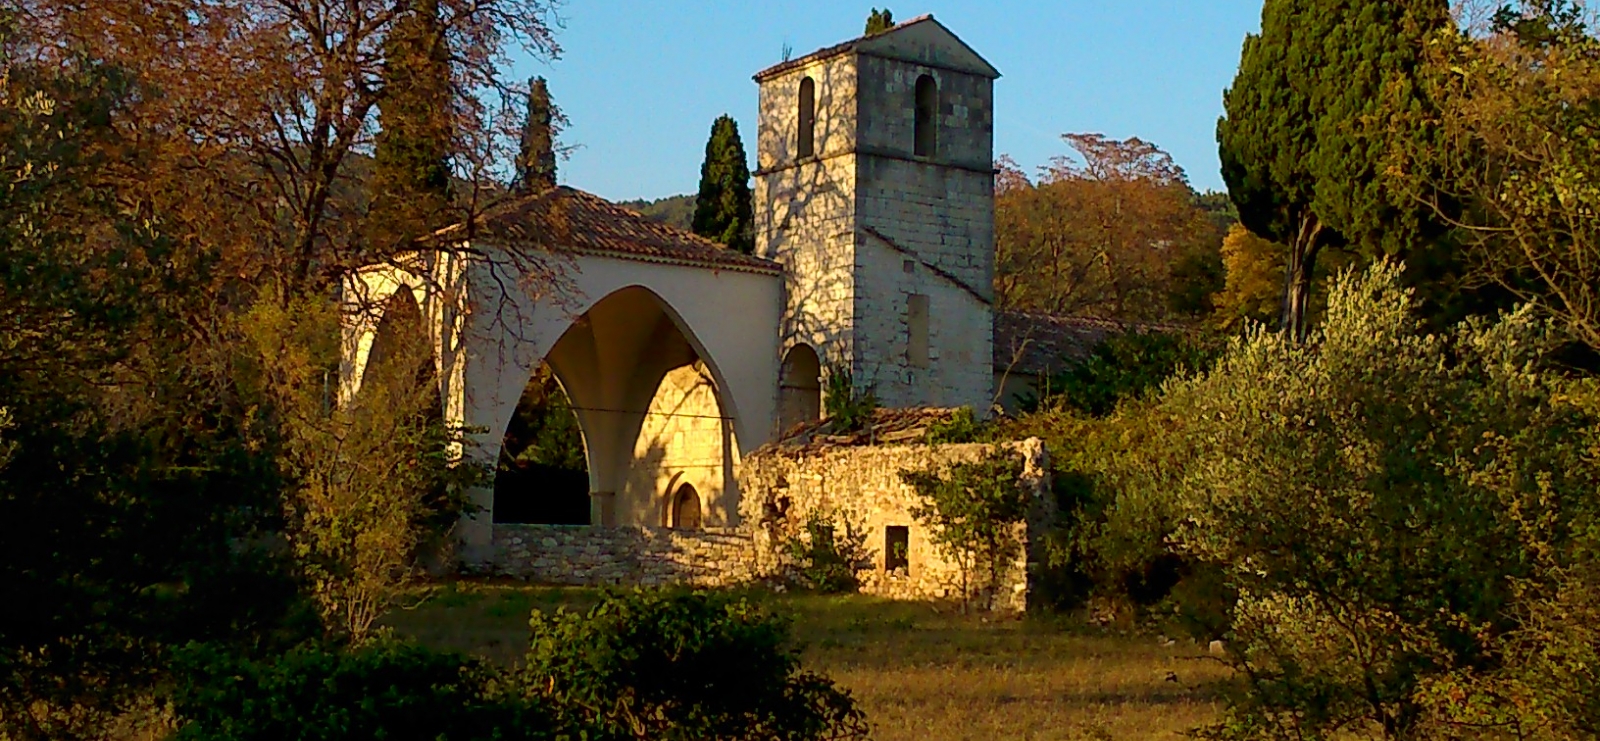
[{"x": 620, "y": 363}]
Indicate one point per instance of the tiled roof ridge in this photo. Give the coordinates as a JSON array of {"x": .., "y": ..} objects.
[
  {"x": 1037, "y": 342},
  {"x": 886, "y": 426},
  {"x": 1090, "y": 319},
  {"x": 603, "y": 227}
]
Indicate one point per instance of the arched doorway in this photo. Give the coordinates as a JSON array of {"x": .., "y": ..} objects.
[
  {"x": 799, "y": 388},
  {"x": 686, "y": 513},
  {"x": 542, "y": 476}
]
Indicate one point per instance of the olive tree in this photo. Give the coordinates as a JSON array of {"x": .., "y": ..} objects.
[{"x": 1391, "y": 506}]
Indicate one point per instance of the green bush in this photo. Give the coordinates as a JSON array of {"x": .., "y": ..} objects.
[
  {"x": 849, "y": 409},
  {"x": 382, "y": 690},
  {"x": 1108, "y": 544},
  {"x": 825, "y": 560},
  {"x": 1123, "y": 368},
  {"x": 974, "y": 511},
  {"x": 682, "y": 666},
  {"x": 962, "y": 427},
  {"x": 1399, "y": 514}
]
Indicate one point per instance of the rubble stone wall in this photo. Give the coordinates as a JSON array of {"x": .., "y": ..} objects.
[
  {"x": 624, "y": 556},
  {"x": 856, "y": 488},
  {"x": 860, "y": 490}
]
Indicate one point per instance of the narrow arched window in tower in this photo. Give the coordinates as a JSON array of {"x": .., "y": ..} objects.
[
  {"x": 686, "y": 508},
  {"x": 927, "y": 129},
  {"x": 807, "y": 145}
]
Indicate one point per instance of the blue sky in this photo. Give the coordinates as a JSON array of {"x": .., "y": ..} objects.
[{"x": 642, "y": 81}]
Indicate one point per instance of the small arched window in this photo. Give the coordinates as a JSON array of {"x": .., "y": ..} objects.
[
  {"x": 686, "y": 508},
  {"x": 927, "y": 129},
  {"x": 807, "y": 145}
]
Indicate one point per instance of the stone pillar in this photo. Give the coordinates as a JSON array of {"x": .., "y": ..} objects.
[{"x": 603, "y": 508}]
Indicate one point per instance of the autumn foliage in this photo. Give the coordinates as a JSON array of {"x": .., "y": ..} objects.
[{"x": 1097, "y": 234}]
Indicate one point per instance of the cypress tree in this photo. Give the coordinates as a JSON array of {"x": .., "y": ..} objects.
[
  {"x": 723, "y": 211},
  {"x": 536, "y": 163},
  {"x": 880, "y": 21},
  {"x": 1303, "y": 141},
  {"x": 410, "y": 183}
]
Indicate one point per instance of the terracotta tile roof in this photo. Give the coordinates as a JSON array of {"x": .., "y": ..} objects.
[
  {"x": 1034, "y": 344},
  {"x": 569, "y": 220},
  {"x": 828, "y": 52},
  {"x": 889, "y": 426}
]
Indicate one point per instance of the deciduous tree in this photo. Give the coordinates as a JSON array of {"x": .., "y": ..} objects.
[
  {"x": 1098, "y": 234},
  {"x": 1515, "y": 171},
  {"x": 254, "y": 145},
  {"x": 1254, "y": 283},
  {"x": 975, "y": 511}
]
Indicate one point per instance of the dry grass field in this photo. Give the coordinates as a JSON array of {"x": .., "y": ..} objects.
[{"x": 921, "y": 674}]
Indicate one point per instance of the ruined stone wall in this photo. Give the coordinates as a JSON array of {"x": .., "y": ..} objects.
[
  {"x": 860, "y": 488},
  {"x": 624, "y": 556}
]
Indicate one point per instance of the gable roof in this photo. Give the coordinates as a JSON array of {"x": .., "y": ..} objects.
[
  {"x": 1031, "y": 344},
  {"x": 900, "y": 42},
  {"x": 566, "y": 219}
]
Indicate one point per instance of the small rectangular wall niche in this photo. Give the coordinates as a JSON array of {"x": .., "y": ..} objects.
[
  {"x": 917, "y": 354},
  {"x": 897, "y": 548}
]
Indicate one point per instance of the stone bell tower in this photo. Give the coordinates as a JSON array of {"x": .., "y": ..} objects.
[{"x": 875, "y": 190}]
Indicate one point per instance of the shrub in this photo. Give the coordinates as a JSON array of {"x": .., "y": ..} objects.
[
  {"x": 849, "y": 409},
  {"x": 1396, "y": 511},
  {"x": 383, "y": 690},
  {"x": 375, "y": 482},
  {"x": 974, "y": 511},
  {"x": 681, "y": 666},
  {"x": 1123, "y": 368},
  {"x": 825, "y": 560},
  {"x": 1108, "y": 544},
  {"x": 962, "y": 427}
]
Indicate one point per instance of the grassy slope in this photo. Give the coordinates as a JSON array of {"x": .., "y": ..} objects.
[{"x": 919, "y": 673}]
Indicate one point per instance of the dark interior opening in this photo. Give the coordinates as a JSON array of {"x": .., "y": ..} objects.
[
  {"x": 897, "y": 548},
  {"x": 542, "y": 477}
]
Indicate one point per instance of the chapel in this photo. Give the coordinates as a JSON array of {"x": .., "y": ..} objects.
[{"x": 874, "y": 262}]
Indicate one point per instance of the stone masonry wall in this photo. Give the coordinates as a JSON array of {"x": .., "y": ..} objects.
[
  {"x": 805, "y": 207},
  {"x": 855, "y": 487},
  {"x": 625, "y": 556},
  {"x": 861, "y": 487},
  {"x": 684, "y": 441},
  {"x": 959, "y": 371}
]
